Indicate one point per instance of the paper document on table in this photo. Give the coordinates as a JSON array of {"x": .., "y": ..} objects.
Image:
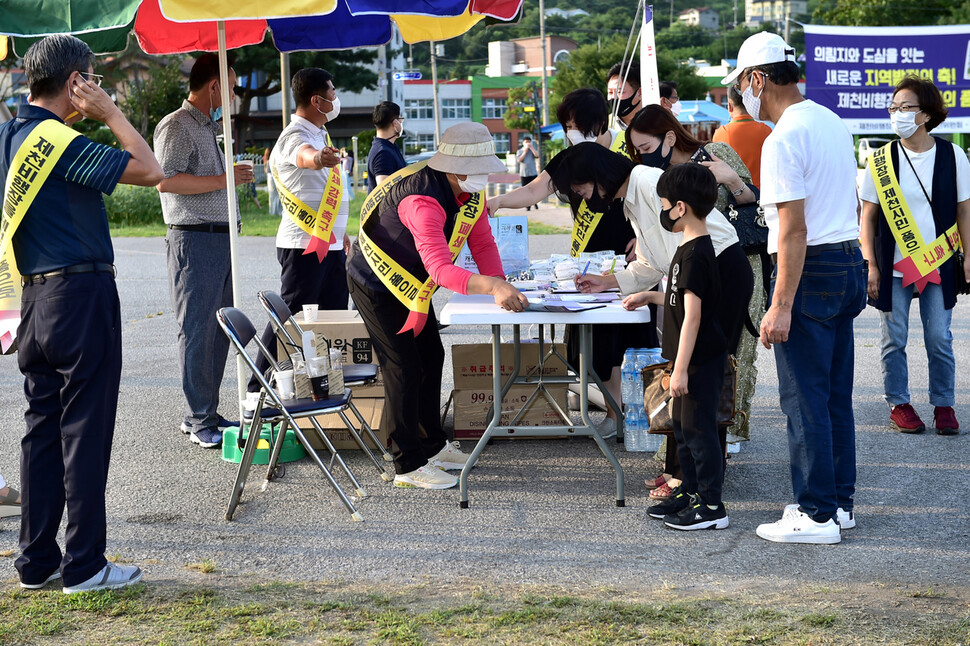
[{"x": 561, "y": 306}]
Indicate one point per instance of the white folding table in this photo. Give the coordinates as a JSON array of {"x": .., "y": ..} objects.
[{"x": 482, "y": 310}]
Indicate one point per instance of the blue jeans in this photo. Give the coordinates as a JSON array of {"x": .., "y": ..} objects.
[
  {"x": 815, "y": 371},
  {"x": 936, "y": 336}
]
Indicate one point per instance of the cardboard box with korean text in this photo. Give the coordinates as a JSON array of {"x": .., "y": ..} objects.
[
  {"x": 372, "y": 410},
  {"x": 472, "y": 406},
  {"x": 344, "y": 330},
  {"x": 473, "y": 363}
]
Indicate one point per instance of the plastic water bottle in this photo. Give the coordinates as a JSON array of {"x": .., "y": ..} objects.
[
  {"x": 632, "y": 435},
  {"x": 628, "y": 378},
  {"x": 651, "y": 443}
]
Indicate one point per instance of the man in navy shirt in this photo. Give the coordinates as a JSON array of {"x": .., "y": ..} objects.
[
  {"x": 385, "y": 157},
  {"x": 70, "y": 330}
]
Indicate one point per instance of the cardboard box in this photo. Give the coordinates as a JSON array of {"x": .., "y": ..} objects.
[
  {"x": 372, "y": 410},
  {"x": 345, "y": 331},
  {"x": 473, "y": 363},
  {"x": 471, "y": 409}
]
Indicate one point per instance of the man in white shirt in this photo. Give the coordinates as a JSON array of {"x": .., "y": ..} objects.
[
  {"x": 313, "y": 188},
  {"x": 818, "y": 286}
]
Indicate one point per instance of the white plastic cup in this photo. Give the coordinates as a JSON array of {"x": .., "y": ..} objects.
[
  {"x": 248, "y": 163},
  {"x": 285, "y": 385},
  {"x": 310, "y": 313}
]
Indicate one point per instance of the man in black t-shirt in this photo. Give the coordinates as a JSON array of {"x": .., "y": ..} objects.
[
  {"x": 697, "y": 348},
  {"x": 385, "y": 157}
]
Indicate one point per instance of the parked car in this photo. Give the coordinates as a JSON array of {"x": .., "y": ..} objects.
[{"x": 869, "y": 145}]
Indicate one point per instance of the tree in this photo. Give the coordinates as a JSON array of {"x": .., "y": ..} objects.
[
  {"x": 885, "y": 13},
  {"x": 524, "y": 110},
  {"x": 149, "y": 99},
  {"x": 346, "y": 67},
  {"x": 587, "y": 66}
]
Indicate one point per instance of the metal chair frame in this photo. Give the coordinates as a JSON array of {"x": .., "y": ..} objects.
[
  {"x": 240, "y": 331},
  {"x": 279, "y": 314}
]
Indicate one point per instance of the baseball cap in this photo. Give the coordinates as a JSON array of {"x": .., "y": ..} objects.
[{"x": 762, "y": 48}]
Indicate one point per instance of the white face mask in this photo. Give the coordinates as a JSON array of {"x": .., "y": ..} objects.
[
  {"x": 675, "y": 108},
  {"x": 473, "y": 183},
  {"x": 904, "y": 123},
  {"x": 334, "y": 111},
  {"x": 751, "y": 102},
  {"x": 575, "y": 137}
]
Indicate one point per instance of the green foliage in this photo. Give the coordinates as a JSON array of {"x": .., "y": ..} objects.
[
  {"x": 365, "y": 139},
  {"x": 133, "y": 206},
  {"x": 153, "y": 96},
  {"x": 520, "y": 98},
  {"x": 588, "y": 66},
  {"x": 874, "y": 13}
]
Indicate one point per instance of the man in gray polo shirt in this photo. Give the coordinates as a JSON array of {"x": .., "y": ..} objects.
[{"x": 194, "y": 206}]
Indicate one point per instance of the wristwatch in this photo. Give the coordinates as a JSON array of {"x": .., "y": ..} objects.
[{"x": 738, "y": 192}]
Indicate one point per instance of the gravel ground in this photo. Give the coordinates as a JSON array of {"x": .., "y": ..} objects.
[{"x": 542, "y": 511}]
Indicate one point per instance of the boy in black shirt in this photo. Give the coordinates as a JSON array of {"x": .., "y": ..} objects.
[{"x": 697, "y": 347}]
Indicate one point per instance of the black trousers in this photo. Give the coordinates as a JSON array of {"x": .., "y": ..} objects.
[
  {"x": 70, "y": 356},
  {"x": 305, "y": 281},
  {"x": 412, "y": 368},
  {"x": 694, "y": 418}
]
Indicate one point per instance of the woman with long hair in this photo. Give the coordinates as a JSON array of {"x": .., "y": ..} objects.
[{"x": 657, "y": 139}]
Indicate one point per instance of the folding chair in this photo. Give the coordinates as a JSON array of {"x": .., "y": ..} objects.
[
  {"x": 240, "y": 332},
  {"x": 358, "y": 374}
]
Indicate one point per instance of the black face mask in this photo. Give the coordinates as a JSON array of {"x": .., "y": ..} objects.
[
  {"x": 626, "y": 106},
  {"x": 657, "y": 159},
  {"x": 666, "y": 221},
  {"x": 597, "y": 203}
]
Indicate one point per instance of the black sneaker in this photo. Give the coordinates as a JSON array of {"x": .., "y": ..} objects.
[
  {"x": 678, "y": 501},
  {"x": 698, "y": 516}
]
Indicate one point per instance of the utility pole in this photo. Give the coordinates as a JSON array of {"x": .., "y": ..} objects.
[
  {"x": 434, "y": 93},
  {"x": 545, "y": 60},
  {"x": 538, "y": 130}
]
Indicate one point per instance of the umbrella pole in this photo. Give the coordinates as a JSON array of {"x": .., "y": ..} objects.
[{"x": 230, "y": 194}]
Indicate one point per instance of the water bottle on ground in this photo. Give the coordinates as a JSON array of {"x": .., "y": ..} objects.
[{"x": 631, "y": 434}]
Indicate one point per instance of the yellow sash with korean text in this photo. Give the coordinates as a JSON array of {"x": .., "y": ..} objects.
[
  {"x": 317, "y": 223},
  {"x": 31, "y": 166},
  {"x": 586, "y": 220},
  {"x": 920, "y": 261},
  {"x": 412, "y": 293}
]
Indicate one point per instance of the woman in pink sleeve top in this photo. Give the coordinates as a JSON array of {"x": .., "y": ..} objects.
[{"x": 412, "y": 226}]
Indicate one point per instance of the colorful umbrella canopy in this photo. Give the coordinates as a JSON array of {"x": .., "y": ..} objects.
[{"x": 181, "y": 26}]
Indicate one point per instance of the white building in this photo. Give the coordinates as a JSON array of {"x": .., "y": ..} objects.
[
  {"x": 704, "y": 17},
  {"x": 757, "y": 12},
  {"x": 455, "y": 98},
  {"x": 566, "y": 13}
]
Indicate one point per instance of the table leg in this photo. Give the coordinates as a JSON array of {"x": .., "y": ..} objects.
[
  {"x": 496, "y": 414},
  {"x": 585, "y": 347}
]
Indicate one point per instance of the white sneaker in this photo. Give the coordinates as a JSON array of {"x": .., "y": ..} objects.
[
  {"x": 846, "y": 518},
  {"x": 607, "y": 428},
  {"x": 798, "y": 527},
  {"x": 110, "y": 577},
  {"x": 449, "y": 458},
  {"x": 426, "y": 477}
]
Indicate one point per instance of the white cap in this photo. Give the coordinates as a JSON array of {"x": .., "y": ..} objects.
[{"x": 762, "y": 48}]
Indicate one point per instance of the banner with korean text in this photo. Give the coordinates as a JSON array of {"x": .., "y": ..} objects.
[{"x": 853, "y": 70}]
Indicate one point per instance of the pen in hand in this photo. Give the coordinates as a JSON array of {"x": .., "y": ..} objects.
[{"x": 585, "y": 269}]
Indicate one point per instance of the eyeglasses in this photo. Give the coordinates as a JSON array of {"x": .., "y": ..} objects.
[
  {"x": 90, "y": 76},
  {"x": 737, "y": 83},
  {"x": 893, "y": 108}
]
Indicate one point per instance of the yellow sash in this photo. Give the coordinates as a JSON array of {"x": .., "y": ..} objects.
[
  {"x": 317, "y": 223},
  {"x": 414, "y": 294},
  {"x": 920, "y": 261},
  {"x": 586, "y": 220},
  {"x": 31, "y": 166}
]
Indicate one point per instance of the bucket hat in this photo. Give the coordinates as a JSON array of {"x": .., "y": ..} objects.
[{"x": 466, "y": 149}]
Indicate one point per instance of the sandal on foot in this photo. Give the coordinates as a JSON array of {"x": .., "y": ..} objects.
[
  {"x": 663, "y": 492},
  {"x": 656, "y": 482}
]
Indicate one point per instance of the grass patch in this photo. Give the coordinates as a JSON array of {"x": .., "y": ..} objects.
[
  {"x": 205, "y": 566},
  {"x": 259, "y": 222},
  {"x": 344, "y": 614}
]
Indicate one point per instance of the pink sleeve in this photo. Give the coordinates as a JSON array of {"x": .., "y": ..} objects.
[
  {"x": 425, "y": 219},
  {"x": 484, "y": 250}
]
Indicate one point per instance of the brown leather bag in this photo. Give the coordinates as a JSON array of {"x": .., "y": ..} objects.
[{"x": 656, "y": 396}]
